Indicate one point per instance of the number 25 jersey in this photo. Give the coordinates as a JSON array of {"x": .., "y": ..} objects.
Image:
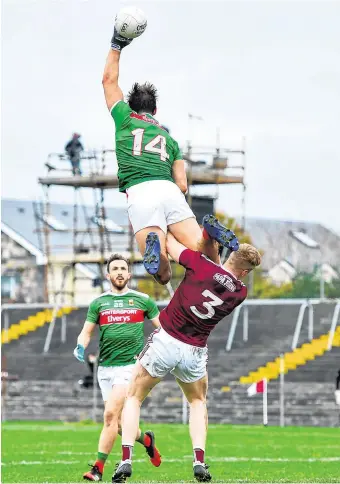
[
  {"x": 206, "y": 295},
  {"x": 144, "y": 149}
]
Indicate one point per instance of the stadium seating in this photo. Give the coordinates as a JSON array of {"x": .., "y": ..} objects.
[
  {"x": 48, "y": 388},
  {"x": 32, "y": 323},
  {"x": 292, "y": 360}
]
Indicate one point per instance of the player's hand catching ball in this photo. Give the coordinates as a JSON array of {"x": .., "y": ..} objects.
[
  {"x": 118, "y": 42},
  {"x": 79, "y": 352}
]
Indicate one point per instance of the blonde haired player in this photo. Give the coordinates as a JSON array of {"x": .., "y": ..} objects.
[
  {"x": 207, "y": 294},
  {"x": 151, "y": 169}
]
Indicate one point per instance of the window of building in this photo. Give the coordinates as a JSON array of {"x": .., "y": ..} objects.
[{"x": 9, "y": 285}]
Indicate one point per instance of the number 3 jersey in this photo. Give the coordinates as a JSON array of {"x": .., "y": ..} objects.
[
  {"x": 144, "y": 149},
  {"x": 206, "y": 295}
]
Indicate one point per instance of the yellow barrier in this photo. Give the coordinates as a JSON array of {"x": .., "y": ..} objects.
[{"x": 32, "y": 323}]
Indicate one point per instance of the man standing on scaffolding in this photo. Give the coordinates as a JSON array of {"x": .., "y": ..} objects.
[{"x": 74, "y": 148}]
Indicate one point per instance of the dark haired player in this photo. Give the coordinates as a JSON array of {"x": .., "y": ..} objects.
[
  {"x": 207, "y": 294},
  {"x": 151, "y": 169},
  {"x": 120, "y": 314}
]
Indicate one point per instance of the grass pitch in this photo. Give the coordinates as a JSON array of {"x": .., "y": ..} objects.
[{"x": 59, "y": 453}]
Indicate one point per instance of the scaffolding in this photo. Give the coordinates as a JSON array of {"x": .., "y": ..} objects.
[{"x": 99, "y": 176}]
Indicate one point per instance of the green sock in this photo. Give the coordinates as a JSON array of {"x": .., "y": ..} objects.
[
  {"x": 141, "y": 438},
  {"x": 102, "y": 456}
]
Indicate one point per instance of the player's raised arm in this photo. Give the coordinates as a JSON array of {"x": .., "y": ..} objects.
[{"x": 112, "y": 91}]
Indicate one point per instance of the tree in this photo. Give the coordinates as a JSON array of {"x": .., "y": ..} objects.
[{"x": 307, "y": 285}]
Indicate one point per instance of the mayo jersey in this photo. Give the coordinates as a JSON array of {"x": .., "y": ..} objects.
[
  {"x": 121, "y": 323},
  {"x": 144, "y": 149}
]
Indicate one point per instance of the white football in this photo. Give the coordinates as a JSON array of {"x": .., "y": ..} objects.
[{"x": 130, "y": 22}]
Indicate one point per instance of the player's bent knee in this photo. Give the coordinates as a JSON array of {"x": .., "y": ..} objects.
[
  {"x": 110, "y": 417},
  {"x": 164, "y": 278}
]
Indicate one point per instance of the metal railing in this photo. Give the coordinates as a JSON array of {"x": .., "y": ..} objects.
[{"x": 303, "y": 303}]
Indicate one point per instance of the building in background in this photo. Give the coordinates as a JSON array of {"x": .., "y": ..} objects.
[
  {"x": 24, "y": 261},
  {"x": 289, "y": 248}
]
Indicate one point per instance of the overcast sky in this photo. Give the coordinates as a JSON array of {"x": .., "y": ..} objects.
[{"x": 269, "y": 71}]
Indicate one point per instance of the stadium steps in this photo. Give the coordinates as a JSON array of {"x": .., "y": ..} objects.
[
  {"x": 31, "y": 324},
  {"x": 305, "y": 404},
  {"x": 292, "y": 360}
]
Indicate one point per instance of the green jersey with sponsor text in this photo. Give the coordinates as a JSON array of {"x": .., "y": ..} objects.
[
  {"x": 121, "y": 323},
  {"x": 144, "y": 149}
]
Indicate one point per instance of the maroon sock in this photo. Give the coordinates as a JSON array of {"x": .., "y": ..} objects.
[
  {"x": 100, "y": 464},
  {"x": 127, "y": 452},
  {"x": 199, "y": 455}
]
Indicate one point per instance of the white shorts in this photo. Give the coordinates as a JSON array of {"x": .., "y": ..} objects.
[
  {"x": 108, "y": 376},
  {"x": 164, "y": 354},
  {"x": 156, "y": 203}
]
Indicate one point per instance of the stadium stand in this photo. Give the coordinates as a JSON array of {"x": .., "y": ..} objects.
[
  {"x": 48, "y": 388},
  {"x": 31, "y": 323}
]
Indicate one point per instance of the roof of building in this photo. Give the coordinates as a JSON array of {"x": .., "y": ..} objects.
[
  {"x": 303, "y": 244},
  {"x": 20, "y": 216}
]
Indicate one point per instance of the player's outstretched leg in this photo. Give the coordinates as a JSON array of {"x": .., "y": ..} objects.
[
  {"x": 140, "y": 385},
  {"x": 196, "y": 394},
  {"x": 220, "y": 233}
]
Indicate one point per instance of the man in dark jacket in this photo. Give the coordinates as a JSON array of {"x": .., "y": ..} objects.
[{"x": 74, "y": 149}]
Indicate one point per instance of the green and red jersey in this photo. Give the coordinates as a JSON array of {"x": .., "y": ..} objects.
[
  {"x": 144, "y": 149},
  {"x": 121, "y": 322}
]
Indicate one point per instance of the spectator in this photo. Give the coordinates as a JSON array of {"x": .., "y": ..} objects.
[{"x": 74, "y": 149}]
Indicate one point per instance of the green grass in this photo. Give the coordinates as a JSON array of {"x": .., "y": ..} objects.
[{"x": 50, "y": 453}]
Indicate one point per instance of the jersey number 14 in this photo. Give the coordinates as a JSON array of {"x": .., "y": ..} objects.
[{"x": 156, "y": 145}]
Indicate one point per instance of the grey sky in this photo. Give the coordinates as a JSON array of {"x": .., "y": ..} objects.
[{"x": 269, "y": 71}]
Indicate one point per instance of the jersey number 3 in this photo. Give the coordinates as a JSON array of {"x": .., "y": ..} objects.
[
  {"x": 209, "y": 305},
  {"x": 156, "y": 145}
]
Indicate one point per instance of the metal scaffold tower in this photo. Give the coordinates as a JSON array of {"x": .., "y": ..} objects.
[{"x": 91, "y": 239}]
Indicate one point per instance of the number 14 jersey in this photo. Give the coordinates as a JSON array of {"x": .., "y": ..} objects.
[
  {"x": 144, "y": 149},
  {"x": 206, "y": 295}
]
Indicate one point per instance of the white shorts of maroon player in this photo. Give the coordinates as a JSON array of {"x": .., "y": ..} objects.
[
  {"x": 108, "y": 376},
  {"x": 156, "y": 203},
  {"x": 164, "y": 354}
]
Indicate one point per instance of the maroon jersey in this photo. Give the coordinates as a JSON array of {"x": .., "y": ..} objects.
[{"x": 206, "y": 295}]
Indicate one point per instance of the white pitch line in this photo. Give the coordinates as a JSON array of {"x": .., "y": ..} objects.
[{"x": 211, "y": 459}]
